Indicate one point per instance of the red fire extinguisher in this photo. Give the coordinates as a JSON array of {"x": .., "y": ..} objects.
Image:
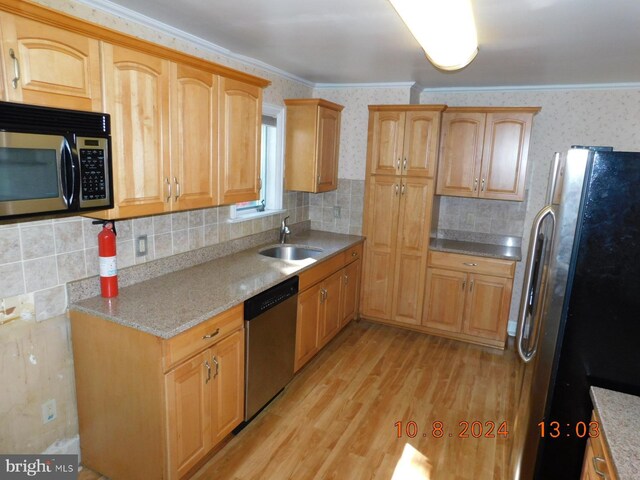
[{"x": 107, "y": 254}]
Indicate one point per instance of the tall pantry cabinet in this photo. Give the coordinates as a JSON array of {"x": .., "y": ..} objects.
[{"x": 401, "y": 164}]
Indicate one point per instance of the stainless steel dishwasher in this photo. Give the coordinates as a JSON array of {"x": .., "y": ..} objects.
[{"x": 270, "y": 336}]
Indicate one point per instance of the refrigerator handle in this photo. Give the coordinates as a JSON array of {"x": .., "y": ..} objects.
[
  {"x": 553, "y": 178},
  {"x": 526, "y": 356}
]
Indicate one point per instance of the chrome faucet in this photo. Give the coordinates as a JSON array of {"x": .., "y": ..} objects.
[{"x": 284, "y": 231}]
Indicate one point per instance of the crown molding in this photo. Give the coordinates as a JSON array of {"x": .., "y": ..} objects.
[
  {"x": 576, "y": 86},
  {"x": 127, "y": 14}
]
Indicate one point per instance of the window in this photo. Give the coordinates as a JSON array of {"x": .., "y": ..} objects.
[{"x": 271, "y": 168}]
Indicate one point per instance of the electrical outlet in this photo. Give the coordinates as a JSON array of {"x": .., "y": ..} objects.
[
  {"x": 49, "y": 411},
  {"x": 336, "y": 211},
  {"x": 20, "y": 306},
  {"x": 141, "y": 246}
]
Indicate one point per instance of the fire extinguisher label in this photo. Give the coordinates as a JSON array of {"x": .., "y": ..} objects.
[{"x": 108, "y": 267}]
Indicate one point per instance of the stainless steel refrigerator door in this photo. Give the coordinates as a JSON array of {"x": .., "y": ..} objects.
[{"x": 537, "y": 376}]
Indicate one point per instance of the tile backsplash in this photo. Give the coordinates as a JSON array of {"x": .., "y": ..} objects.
[
  {"x": 42, "y": 256},
  {"x": 340, "y": 210}
]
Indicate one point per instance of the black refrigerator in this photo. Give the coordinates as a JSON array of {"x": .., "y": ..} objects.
[{"x": 579, "y": 323}]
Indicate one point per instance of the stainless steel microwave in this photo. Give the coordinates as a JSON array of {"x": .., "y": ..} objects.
[{"x": 53, "y": 161}]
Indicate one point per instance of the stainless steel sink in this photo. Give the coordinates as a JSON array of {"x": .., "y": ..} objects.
[{"x": 291, "y": 252}]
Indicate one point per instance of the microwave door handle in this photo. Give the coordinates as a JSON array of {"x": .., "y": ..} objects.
[
  {"x": 68, "y": 173},
  {"x": 527, "y": 355}
]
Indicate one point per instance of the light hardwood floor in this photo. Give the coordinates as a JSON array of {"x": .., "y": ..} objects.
[{"x": 337, "y": 418}]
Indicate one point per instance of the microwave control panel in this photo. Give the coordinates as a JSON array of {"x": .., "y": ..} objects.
[{"x": 94, "y": 180}]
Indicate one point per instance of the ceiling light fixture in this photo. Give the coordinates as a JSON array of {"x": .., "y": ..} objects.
[{"x": 445, "y": 29}]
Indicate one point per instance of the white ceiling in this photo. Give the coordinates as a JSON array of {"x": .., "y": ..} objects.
[{"x": 522, "y": 42}]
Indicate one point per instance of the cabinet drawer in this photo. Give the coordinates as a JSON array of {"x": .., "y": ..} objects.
[
  {"x": 321, "y": 271},
  {"x": 353, "y": 253},
  {"x": 472, "y": 264},
  {"x": 197, "y": 338}
]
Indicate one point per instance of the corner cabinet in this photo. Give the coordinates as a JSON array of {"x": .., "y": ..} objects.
[
  {"x": 484, "y": 152},
  {"x": 49, "y": 66},
  {"x": 156, "y": 408},
  {"x": 468, "y": 297},
  {"x": 312, "y": 145},
  {"x": 327, "y": 301},
  {"x": 240, "y": 117}
]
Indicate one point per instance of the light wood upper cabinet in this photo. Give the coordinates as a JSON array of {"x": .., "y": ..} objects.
[
  {"x": 137, "y": 97},
  {"x": 468, "y": 297},
  {"x": 49, "y": 66},
  {"x": 397, "y": 227},
  {"x": 484, "y": 151},
  {"x": 194, "y": 116},
  {"x": 403, "y": 139},
  {"x": 312, "y": 145},
  {"x": 240, "y": 117}
]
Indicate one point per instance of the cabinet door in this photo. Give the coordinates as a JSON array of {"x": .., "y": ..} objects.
[
  {"x": 136, "y": 96},
  {"x": 193, "y": 138},
  {"x": 331, "y": 308},
  {"x": 460, "y": 153},
  {"x": 381, "y": 223},
  {"x": 504, "y": 159},
  {"x": 350, "y": 291},
  {"x": 386, "y": 137},
  {"x": 420, "y": 151},
  {"x": 444, "y": 299},
  {"x": 57, "y": 68},
  {"x": 188, "y": 390},
  {"x": 227, "y": 363},
  {"x": 416, "y": 198},
  {"x": 487, "y": 307},
  {"x": 307, "y": 325},
  {"x": 328, "y": 149},
  {"x": 240, "y": 123}
]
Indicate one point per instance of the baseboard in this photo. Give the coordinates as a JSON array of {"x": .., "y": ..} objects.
[{"x": 66, "y": 446}]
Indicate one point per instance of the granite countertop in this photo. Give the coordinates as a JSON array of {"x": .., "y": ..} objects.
[
  {"x": 620, "y": 421},
  {"x": 476, "y": 248},
  {"x": 170, "y": 304}
]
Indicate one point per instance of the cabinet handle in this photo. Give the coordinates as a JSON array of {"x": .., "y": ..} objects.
[
  {"x": 206, "y": 364},
  {"x": 211, "y": 335},
  {"x": 318, "y": 181},
  {"x": 402, "y": 191},
  {"x": 482, "y": 188},
  {"x": 396, "y": 189},
  {"x": 404, "y": 164},
  {"x": 346, "y": 279},
  {"x": 354, "y": 254},
  {"x": 470, "y": 264},
  {"x": 217, "y": 364},
  {"x": 398, "y": 164},
  {"x": 260, "y": 182},
  {"x": 599, "y": 472},
  {"x": 471, "y": 286},
  {"x": 322, "y": 295},
  {"x": 475, "y": 185},
  {"x": 175, "y": 180},
  {"x": 16, "y": 68},
  {"x": 464, "y": 284},
  {"x": 166, "y": 180}
]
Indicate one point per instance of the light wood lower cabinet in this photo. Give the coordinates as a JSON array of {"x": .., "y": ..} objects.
[
  {"x": 597, "y": 462},
  {"x": 468, "y": 297},
  {"x": 153, "y": 408},
  {"x": 328, "y": 305}
]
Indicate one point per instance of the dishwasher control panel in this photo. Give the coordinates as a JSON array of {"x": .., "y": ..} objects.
[{"x": 270, "y": 298}]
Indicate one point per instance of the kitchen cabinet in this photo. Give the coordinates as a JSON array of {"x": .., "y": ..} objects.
[
  {"x": 403, "y": 139},
  {"x": 156, "y": 407},
  {"x": 397, "y": 225},
  {"x": 312, "y": 145},
  {"x": 240, "y": 125},
  {"x": 137, "y": 97},
  {"x": 49, "y": 66},
  {"x": 597, "y": 462},
  {"x": 326, "y": 292},
  {"x": 468, "y": 297},
  {"x": 194, "y": 115},
  {"x": 484, "y": 152}
]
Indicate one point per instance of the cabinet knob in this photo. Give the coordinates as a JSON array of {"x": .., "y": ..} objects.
[{"x": 354, "y": 254}]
